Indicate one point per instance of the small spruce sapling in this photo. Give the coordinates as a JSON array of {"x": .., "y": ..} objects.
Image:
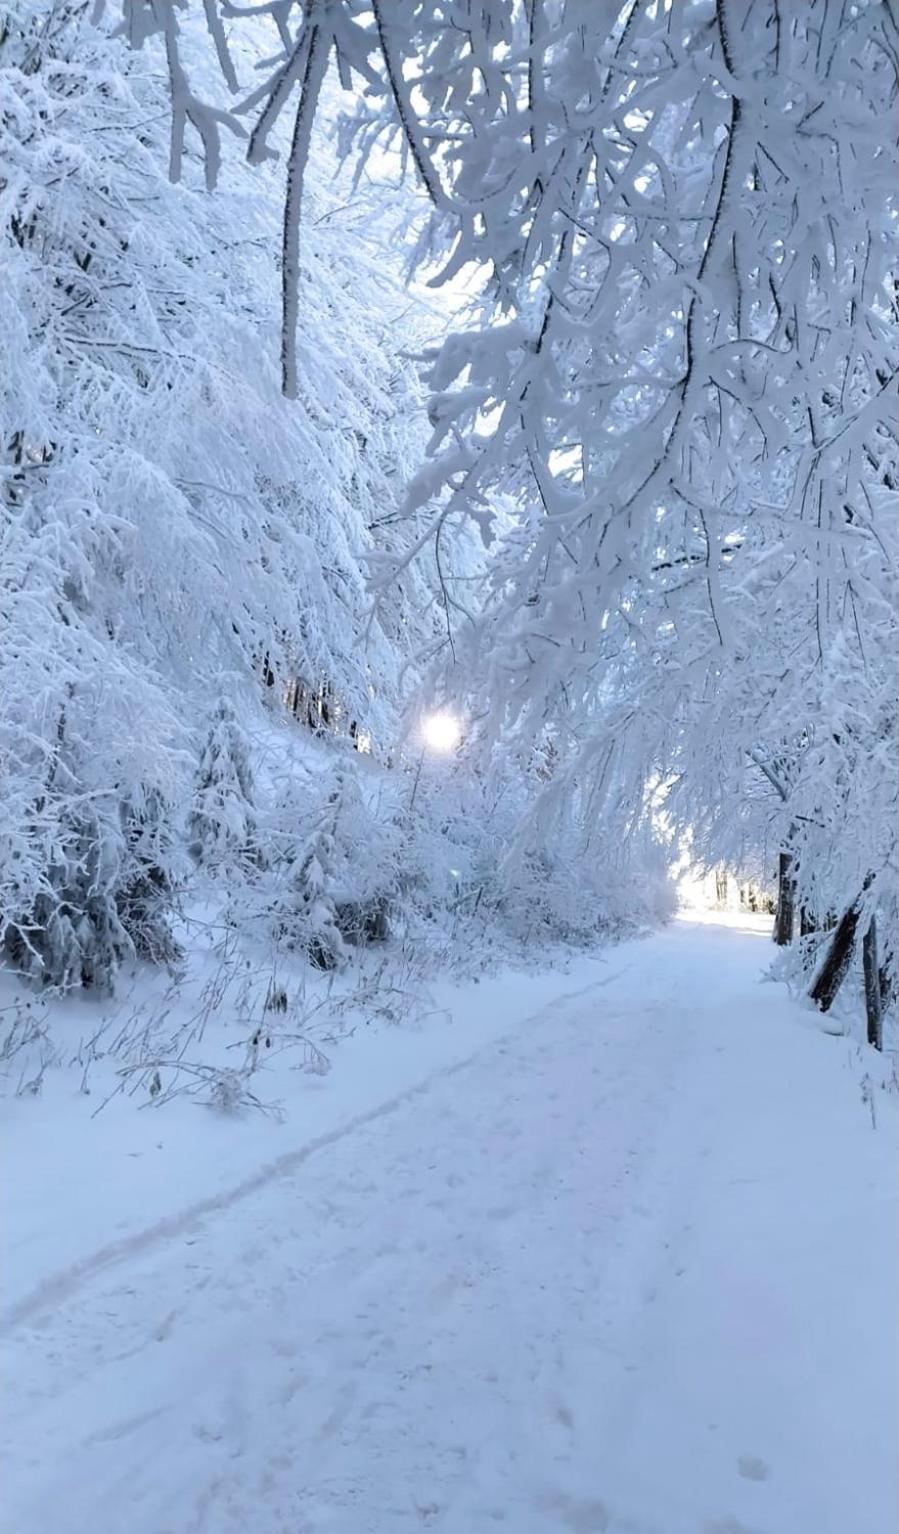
[
  {"x": 313, "y": 887},
  {"x": 222, "y": 827},
  {"x": 151, "y": 875},
  {"x": 73, "y": 934}
]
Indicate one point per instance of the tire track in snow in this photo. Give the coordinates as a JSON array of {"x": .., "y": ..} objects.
[{"x": 60, "y": 1286}]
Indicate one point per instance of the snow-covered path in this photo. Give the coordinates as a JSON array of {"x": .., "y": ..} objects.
[{"x": 628, "y": 1268}]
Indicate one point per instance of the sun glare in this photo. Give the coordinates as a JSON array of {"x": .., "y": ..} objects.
[{"x": 441, "y": 730}]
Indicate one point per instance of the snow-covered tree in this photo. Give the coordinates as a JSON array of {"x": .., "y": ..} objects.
[
  {"x": 165, "y": 515},
  {"x": 311, "y": 921},
  {"x": 222, "y": 822}
]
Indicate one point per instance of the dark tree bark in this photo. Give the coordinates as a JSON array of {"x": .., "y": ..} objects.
[
  {"x": 873, "y": 993},
  {"x": 837, "y": 960},
  {"x": 887, "y": 978},
  {"x": 786, "y": 901},
  {"x": 807, "y": 922}
]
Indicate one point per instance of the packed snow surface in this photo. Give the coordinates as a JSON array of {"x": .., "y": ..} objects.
[{"x": 613, "y": 1257}]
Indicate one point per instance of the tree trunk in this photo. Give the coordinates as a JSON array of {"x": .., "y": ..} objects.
[
  {"x": 839, "y": 956},
  {"x": 887, "y": 981},
  {"x": 873, "y": 994},
  {"x": 786, "y": 901},
  {"x": 807, "y": 922}
]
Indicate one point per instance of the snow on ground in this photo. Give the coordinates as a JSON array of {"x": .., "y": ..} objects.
[
  {"x": 613, "y": 1252},
  {"x": 133, "y": 1169}
]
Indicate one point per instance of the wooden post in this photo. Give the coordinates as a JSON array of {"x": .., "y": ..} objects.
[
  {"x": 873, "y": 994},
  {"x": 786, "y": 901}
]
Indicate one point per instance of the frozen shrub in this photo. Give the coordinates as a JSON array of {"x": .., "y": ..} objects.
[{"x": 105, "y": 895}]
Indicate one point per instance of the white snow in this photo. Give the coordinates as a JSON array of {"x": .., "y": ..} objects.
[{"x": 613, "y": 1252}]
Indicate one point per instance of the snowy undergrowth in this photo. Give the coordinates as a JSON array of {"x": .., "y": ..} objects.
[
  {"x": 228, "y": 1027},
  {"x": 210, "y": 1032},
  {"x": 321, "y": 892}
]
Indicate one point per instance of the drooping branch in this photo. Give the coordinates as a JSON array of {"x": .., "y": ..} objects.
[{"x": 405, "y": 111}]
